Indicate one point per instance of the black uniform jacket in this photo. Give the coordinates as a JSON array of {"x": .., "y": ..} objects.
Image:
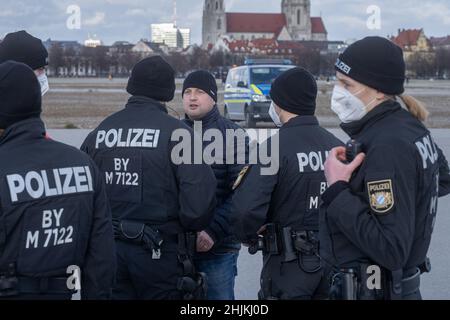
[
  {"x": 386, "y": 213},
  {"x": 146, "y": 157},
  {"x": 54, "y": 211},
  {"x": 289, "y": 193}
]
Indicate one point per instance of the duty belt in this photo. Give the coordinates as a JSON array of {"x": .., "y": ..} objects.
[
  {"x": 286, "y": 241},
  {"x": 12, "y": 286},
  {"x": 139, "y": 233},
  {"x": 351, "y": 284}
]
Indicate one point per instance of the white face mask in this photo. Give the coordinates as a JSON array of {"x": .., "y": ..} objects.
[
  {"x": 275, "y": 117},
  {"x": 347, "y": 106},
  {"x": 43, "y": 81}
]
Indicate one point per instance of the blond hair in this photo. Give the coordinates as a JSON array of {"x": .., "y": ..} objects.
[{"x": 415, "y": 107}]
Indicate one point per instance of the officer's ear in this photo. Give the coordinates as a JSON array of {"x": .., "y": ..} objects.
[{"x": 1, "y": 132}]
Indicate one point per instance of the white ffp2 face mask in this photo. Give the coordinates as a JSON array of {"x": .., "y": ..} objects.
[
  {"x": 43, "y": 81},
  {"x": 347, "y": 106},
  {"x": 275, "y": 117}
]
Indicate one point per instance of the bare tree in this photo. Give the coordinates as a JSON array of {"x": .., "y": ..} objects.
[
  {"x": 309, "y": 59},
  {"x": 56, "y": 58},
  {"x": 443, "y": 62},
  {"x": 179, "y": 62},
  {"x": 422, "y": 65},
  {"x": 199, "y": 59},
  {"x": 128, "y": 60}
]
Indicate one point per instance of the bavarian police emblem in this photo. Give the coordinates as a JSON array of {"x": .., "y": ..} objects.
[
  {"x": 240, "y": 177},
  {"x": 381, "y": 196}
]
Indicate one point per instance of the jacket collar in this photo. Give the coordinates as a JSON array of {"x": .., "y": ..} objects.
[
  {"x": 383, "y": 110},
  {"x": 29, "y": 129},
  {"x": 208, "y": 119},
  {"x": 141, "y": 101},
  {"x": 301, "y": 121}
]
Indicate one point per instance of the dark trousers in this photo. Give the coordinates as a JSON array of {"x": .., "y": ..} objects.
[{"x": 139, "y": 277}]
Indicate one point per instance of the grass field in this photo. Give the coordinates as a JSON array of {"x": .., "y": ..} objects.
[{"x": 84, "y": 103}]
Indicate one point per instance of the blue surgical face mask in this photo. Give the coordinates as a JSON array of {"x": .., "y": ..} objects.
[{"x": 274, "y": 115}]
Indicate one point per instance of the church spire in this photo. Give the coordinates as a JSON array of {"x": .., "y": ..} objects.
[
  {"x": 214, "y": 21},
  {"x": 298, "y": 18}
]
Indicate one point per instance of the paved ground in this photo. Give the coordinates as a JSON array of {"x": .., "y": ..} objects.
[{"x": 434, "y": 286}]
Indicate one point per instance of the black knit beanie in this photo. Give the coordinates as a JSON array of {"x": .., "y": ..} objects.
[
  {"x": 295, "y": 91},
  {"x": 23, "y": 47},
  {"x": 201, "y": 80},
  {"x": 375, "y": 62},
  {"x": 152, "y": 77},
  {"x": 20, "y": 93}
]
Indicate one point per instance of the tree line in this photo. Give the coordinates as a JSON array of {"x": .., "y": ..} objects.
[{"x": 103, "y": 61}]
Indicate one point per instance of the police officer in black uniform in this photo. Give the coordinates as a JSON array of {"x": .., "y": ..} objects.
[
  {"x": 156, "y": 200},
  {"x": 55, "y": 222},
  {"x": 283, "y": 206},
  {"x": 380, "y": 209}
]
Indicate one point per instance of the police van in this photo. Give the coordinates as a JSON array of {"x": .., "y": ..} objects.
[{"x": 247, "y": 90}]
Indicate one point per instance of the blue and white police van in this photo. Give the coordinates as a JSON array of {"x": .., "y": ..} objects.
[{"x": 247, "y": 90}]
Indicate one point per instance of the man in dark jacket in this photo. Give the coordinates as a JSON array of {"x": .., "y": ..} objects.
[
  {"x": 217, "y": 248},
  {"x": 55, "y": 221},
  {"x": 156, "y": 201}
]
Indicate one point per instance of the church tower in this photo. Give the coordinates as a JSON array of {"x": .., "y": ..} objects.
[
  {"x": 298, "y": 18},
  {"x": 214, "y": 21}
]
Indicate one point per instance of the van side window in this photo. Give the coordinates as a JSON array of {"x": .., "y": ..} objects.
[
  {"x": 231, "y": 75},
  {"x": 245, "y": 77},
  {"x": 235, "y": 78}
]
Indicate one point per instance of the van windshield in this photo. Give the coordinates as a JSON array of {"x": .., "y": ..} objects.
[{"x": 265, "y": 75}]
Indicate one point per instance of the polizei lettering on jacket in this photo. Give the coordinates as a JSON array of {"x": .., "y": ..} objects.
[
  {"x": 49, "y": 183},
  {"x": 127, "y": 138},
  {"x": 312, "y": 161},
  {"x": 428, "y": 151}
]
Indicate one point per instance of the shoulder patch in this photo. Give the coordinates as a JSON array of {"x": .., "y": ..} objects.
[
  {"x": 240, "y": 177},
  {"x": 381, "y": 196}
]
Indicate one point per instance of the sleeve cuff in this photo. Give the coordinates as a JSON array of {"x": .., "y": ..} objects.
[{"x": 333, "y": 191}]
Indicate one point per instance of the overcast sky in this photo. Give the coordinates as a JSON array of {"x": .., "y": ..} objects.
[{"x": 130, "y": 20}]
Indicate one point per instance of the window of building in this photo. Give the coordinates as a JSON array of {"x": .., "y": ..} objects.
[
  {"x": 219, "y": 24},
  {"x": 298, "y": 16},
  {"x": 217, "y": 5}
]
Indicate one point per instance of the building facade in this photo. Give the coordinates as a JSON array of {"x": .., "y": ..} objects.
[
  {"x": 294, "y": 23},
  {"x": 170, "y": 35}
]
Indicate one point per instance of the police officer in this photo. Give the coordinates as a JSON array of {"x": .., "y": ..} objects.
[
  {"x": 55, "y": 222},
  {"x": 217, "y": 248},
  {"x": 283, "y": 207},
  {"x": 380, "y": 209},
  {"x": 157, "y": 201},
  {"x": 23, "y": 47}
]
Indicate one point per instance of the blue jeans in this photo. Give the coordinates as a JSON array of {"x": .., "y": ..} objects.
[{"x": 221, "y": 270}]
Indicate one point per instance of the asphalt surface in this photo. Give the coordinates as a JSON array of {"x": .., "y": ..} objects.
[{"x": 435, "y": 286}]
